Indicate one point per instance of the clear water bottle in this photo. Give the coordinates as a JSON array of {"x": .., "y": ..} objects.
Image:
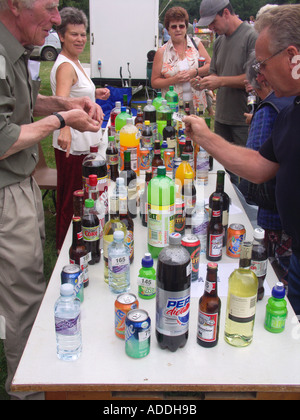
[
  {"x": 199, "y": 224},
  {"x": 118, "y": 264},
  {"x": 67, "y": 324}
]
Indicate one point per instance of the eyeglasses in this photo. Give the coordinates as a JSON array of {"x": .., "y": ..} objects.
[
  {"x": 182, "y": 26},
  {"x": 257, "y": 66}
]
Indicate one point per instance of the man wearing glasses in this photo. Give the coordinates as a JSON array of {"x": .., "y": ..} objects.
[
  {"x": 278, "y": 55},
  {"x": 231, "y": 52}
]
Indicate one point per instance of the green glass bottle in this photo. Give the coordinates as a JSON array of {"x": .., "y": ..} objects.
[
  {"x": 241, "y": 301},
  {"x": 161, "y": 211},
  {"x": 276, "y": 311},
  {"x": 147, "y": 278}
]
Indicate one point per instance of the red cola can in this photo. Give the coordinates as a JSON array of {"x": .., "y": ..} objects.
[{"x": 192, "y": 244}]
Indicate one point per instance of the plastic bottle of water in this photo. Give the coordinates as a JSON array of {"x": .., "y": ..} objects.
[
  {"x": 118, "y": 264},
  {"x": 199, "y": 225},
  {"x": 67, "y": 324}
]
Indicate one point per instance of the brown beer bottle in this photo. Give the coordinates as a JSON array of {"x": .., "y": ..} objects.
[
  {"x": 209, "y": 310},
  {"x": 157, "y": 160},
  {"x": 215, "y": 231},
  {"x": 78, "y": 253}
]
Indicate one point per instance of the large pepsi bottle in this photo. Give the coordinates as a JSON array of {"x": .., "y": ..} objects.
[{"x": 173, "y": 295}]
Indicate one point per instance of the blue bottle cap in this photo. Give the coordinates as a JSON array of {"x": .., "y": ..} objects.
[
  {"x": 278, "y": 291},
  {"x": 147, "y": 261}
]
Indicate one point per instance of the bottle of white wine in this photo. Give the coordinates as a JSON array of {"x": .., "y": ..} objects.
[{"x": 241, "y": 301}]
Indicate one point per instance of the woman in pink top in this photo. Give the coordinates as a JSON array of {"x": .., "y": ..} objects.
[{"x": 176, "y": 62}]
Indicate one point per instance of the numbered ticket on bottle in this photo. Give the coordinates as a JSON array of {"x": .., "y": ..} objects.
[{"x": 177, "y": 117}]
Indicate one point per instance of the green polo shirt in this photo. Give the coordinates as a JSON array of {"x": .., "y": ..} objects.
[{"x": 18, "y": 94}]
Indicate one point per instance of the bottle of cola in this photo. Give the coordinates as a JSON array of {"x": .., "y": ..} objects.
[
  {"x": 91, "y": 231},
  {"x": 173, "y": 295}
]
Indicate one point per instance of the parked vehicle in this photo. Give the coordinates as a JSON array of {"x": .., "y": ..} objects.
[{"x": 51, "y": 48}]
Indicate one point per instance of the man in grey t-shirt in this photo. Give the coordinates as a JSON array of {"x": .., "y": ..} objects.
[{"x": 230, "y": 53}]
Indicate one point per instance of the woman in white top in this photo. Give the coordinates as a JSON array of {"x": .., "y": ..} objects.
[{"x": 68, "y": 78}]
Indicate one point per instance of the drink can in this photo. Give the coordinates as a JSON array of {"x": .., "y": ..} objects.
[
  {"x": 176, "y": 163},
  {"x": 124, "y": 303},
  {"x": 201, "y": 62},
  {"x": 169, "y": 155},
  {"x": 137, "y": 333},
  {"x": 235, "y": 237},
  {"x": 72, "y": 273},
  {"x": 192, "y": 244},
  {"x": 145, "y": 158}
]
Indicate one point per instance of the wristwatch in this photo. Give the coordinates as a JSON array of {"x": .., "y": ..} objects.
[{"x": 61, "y": 119}]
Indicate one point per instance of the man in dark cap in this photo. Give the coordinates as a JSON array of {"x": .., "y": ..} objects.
[{"x": 230, "y": 53}]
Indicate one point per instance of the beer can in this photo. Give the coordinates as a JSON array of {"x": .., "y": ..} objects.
[
  {"x": 145, "y": 158},
  {"x": 169, "y": 155},
  {"x": 124, "y": 303},
  {"x": 192, "y": 244},
  {"x": 137, "y": 333},
  {"x": 72, "y": 273},
  {"x": 235, "y": 237}
]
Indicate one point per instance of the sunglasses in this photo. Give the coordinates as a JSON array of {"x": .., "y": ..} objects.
[{"x": 182, "y": 26}]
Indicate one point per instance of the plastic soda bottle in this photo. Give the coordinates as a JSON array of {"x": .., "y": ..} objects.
[
  {"x": 157, "y": 101},
  {"x": 147, "y": 278},
  {"x": 130, "y": 140},
  {"x": 182, "y": 169},
  {"x": 118, "y": 264},
  {"x": 172, "y": 99},
  {"x": 149, "y": 114},
  {"x": 67, "y": 324},
  {"x": 276, "y": 311},
  {"x": 164, "y": 114},
  {"x": 120, "y": 121},
  {"x": 91, "y": 231},
  {"x": 173, "y": 295},
  {"x": 161, "y": 211}
]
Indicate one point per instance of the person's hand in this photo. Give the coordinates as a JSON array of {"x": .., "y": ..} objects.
[
  {"x": 81, "y": 121},
  {"x": 195, "y": 128},
  {"x": 196, "y": 83},
  {"x": 183, "y": 76},
  {"x": 210, "y": 82},
  {"x": 84, "y": 103},
  {"x": 64, "y": 140},
  {"x": 102, "y": 93},
  {"x": 248, "y": 118}
]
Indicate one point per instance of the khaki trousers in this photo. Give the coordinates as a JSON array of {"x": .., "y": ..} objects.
[{"x": 22, "y": 283}]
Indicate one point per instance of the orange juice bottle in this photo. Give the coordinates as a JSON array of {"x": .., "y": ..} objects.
[
  {"x": 182, "y": 169},
  {"x": 130, "y": 140}
]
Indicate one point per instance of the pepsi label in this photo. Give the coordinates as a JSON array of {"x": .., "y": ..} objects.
[{"x": 173, "y": 311}]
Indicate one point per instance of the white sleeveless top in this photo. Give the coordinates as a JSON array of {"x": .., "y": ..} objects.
[{"x": 84, "y": 86}]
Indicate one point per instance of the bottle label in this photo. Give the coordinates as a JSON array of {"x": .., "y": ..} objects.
[
  {"x": 112, "y": 159},
  {"x": 161, "y": 223},
  {"x": 91, "y": 234},
  {"x": 118, "y": 265},
  {"x": 147, "y": 287},
  {"x": 242, "y": 309},
  {"x": 210, "y": 286},
  {"x": 259, "y": 267},
  {"x": 172, "y": 312},
  {"x": 215, "y": 245},
  {"x": 67, "y": 327},
  {"x": 207, "y": 327}
]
